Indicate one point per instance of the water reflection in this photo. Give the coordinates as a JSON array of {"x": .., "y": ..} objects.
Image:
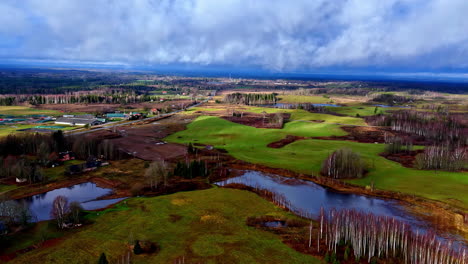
[
  {"x": 85, "y": 193},
  {"x": 310, "y": 197}
]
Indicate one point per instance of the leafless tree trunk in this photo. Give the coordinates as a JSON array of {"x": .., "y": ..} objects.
[{"x": 59, "y": 210}]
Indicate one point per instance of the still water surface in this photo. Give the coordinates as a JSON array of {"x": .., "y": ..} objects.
[
  {"x": 310, "y": 197},
  {"x": 85, "y": 193}
]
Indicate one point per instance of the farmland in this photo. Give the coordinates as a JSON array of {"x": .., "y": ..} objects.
[{"x": 177, "y": 137}]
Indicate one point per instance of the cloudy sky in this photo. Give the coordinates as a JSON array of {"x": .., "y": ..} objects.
[{"x": 282, "y": 36}]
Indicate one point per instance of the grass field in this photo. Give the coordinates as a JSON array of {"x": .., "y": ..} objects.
[
  {"x": 360, "y": 110},
  {"x": 33, "y": 235},
  {"x": 58, "y": 173},
  {"x": 24, "y": 110},
  {"x": 201, "y": 226},
  {"x": 250, "y": 144},
  {"x": 6, "y": 188},
  {"x": 296, "y": 99},
  {"x": 8, "y": 129}
]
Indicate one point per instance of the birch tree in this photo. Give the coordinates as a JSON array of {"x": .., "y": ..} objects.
[
  {"x": 60, "y": 210},
  {"x": 156, "y": 174}
]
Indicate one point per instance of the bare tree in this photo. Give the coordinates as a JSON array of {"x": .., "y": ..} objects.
[
  {"x": 60, "y": 209},
  {"x": 157, "y": 173},
  {"x": 75, "y": 212}
]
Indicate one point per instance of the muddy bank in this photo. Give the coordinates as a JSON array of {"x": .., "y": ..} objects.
[
  {"x": 406, "y": 159},
  {"x": 355, "y": 133},
  {"x": 259, "y": 120},
  {"x": 285, "y": 141}
]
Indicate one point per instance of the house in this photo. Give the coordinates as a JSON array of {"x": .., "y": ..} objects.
[
  {"x": 67, "y": 155},
  {"x": 21, "y": 180},
  {"x": 90, "y": 165},
  {"x": 135, "y": 116},
  {"x": 78, "y": 121}
]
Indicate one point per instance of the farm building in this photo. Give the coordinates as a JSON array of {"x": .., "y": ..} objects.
[
  {"x": 78, "y": 120},
  {"x": 90, "y": 165},
  {"x": 117, "y": 115}
]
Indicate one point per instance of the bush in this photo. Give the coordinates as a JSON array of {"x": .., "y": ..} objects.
[{"x": 343, "y": 163}]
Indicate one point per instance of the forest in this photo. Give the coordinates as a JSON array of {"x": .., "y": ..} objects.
[{"x": 250, "y": 98}]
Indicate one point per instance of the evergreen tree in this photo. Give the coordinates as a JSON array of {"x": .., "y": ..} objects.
[
  {"x": 137, "y": 248},
  {"x": 103, "y": 259},
  {"x": 190, "y": 148}
]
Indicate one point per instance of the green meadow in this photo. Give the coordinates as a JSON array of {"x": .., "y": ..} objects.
[
  {"x": 24, "y": 110},
  {"x": 360, "y": 110},
  {"x": 206, "y": 226},
  {"x": 297, "y": 99},
  {"x": 7, "y": 129},
  {"x": 250, "y": 144}
]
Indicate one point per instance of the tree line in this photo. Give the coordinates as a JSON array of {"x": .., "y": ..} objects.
[
  {"x": 374, "y": 237},
  {"x": 119, "y": 98},
  {"x": 250, "y": 98},
  {"x": 438, "y": 127},
  {"x": 442, "y": 158},
  {"x": 392, "y": 99}
]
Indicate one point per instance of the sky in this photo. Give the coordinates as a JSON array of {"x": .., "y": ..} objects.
[{"x": 408, "y": 36}]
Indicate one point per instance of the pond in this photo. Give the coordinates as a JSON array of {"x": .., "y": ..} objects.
[
  {"x": 310, "y": 197},
  {"x": 85, "y": 193}
]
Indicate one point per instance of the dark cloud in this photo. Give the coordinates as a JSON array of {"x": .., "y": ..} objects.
[{"x": 278, "y": 35}]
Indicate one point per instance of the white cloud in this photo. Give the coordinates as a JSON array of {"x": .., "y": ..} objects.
[{"x": 274, "y": 34}]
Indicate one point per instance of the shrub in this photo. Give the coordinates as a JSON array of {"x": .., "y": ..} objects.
[{"x": 343, "y": 163}]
